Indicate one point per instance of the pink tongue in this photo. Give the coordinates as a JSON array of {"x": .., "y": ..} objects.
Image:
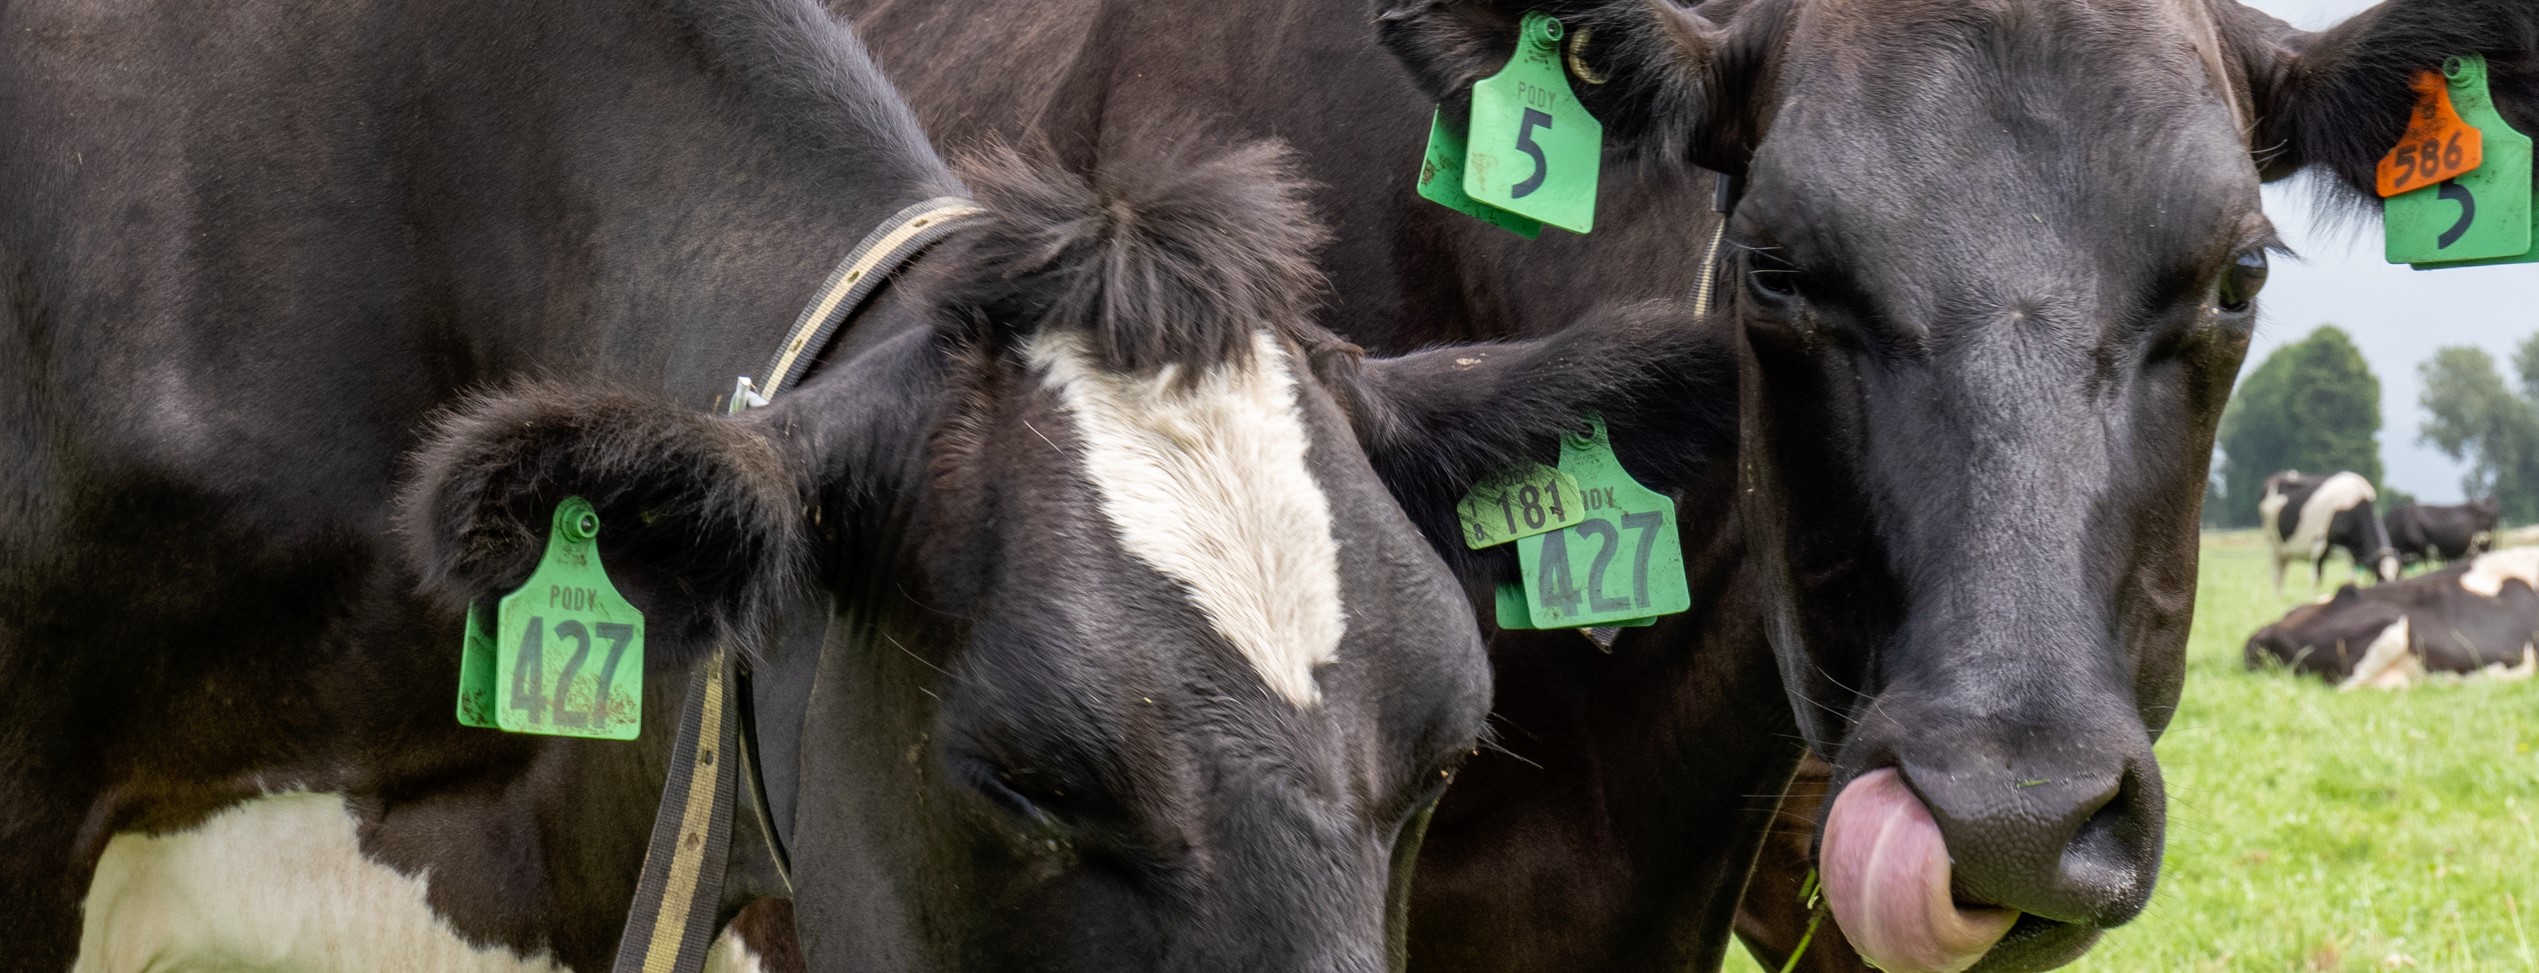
[{"x": 1886, "y": 873}]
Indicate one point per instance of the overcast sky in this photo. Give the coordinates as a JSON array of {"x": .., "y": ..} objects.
[{"x": 2397, "y": 315}]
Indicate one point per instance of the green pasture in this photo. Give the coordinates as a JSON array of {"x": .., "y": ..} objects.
[{"x": 2313, "y": 830}]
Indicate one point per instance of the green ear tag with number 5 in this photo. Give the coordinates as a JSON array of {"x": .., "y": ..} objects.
[
  {"x": 1534, "y": 150},
  {"x": 1621, "y": 563},
  {"x": 2482, "y": 216},
  {"x": 566, "y": 650}
]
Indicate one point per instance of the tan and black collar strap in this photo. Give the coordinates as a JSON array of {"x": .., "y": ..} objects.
[
  {"x": 679, "y": 898},
  {"x": 881, "y": 253},
  {"x": 1724, "y": 193}
]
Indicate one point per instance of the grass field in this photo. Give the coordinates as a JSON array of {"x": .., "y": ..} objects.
[{"x": 2313, "y": 830}]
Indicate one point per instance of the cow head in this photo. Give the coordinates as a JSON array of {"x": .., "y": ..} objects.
[
  {"x": 1994, "y": 268},
  {"x": 1132, "y": 659}
]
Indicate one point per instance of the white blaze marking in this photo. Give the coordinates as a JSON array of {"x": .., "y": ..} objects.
[
  {"x": 278, "y": 884},
  {"x": 2388, "y": 663},
  {"x": 1208, "y": 485},
  {"x": 2486, "y": 575}
]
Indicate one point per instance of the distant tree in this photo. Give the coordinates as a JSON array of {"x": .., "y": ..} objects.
[
  {"x": 2473, "y": 417},
  {"x": 2313, "y": 406}
]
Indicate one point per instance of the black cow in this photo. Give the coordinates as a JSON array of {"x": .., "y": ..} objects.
[
  {"x": 2305, "y": 517},
  {"x": 2479, "y": 618},
  {"x": 1130, "y": 661},
  {"x": 1991, "y": 272},
  {"x": 2424, "y": 533}
]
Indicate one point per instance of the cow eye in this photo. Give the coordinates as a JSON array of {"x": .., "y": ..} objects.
[
  {"x": 2241, "y": 282},
  {"x": 1029, "y": 796},
  {"x": 1770, "y": 279}
]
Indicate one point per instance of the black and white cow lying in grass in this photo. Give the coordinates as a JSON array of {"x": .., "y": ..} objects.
[
  {"x": 2306, "y": 516},
  {"x": 2474, "y": 619}
]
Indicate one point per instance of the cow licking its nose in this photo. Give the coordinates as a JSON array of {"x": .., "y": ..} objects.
[{"x": 2011, "y": 856}]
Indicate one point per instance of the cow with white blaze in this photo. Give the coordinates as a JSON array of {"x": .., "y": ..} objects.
[
  {"x": 2305, "y": 517},
  {"x": 1991, "y": 267}
]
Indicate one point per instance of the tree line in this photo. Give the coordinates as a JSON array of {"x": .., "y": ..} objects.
[{"x": 2314, "y": 405}]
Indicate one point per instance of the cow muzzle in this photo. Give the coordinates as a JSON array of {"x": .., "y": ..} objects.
[{"x": 1971, "y": 864}]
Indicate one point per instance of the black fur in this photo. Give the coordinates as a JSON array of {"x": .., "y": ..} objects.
[
  {"x": 1172, "y": 261},
  {"x": 698, "y": 517}
]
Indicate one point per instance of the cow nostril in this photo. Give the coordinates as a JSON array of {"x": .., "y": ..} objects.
[{"x": 2108, "y": 865}]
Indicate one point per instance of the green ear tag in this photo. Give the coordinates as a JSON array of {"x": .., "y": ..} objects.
[
  {"x": 1441, "y": 181},
  {"x": 1510, "y": 602},
  {"x": 476, "y": 673},
  {"x": 1534, "y": 150},
  {"x": 1522, "y": 502},
  {"x": 1622, "y": 563},
  {"x": 2481, "y": 217},
  {"x": 568, "y": 651}
]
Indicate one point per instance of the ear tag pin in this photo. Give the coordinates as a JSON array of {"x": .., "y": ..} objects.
[
  {"x": 1533, "y": 152},
  {"x": 2458, "y": 184},
  {"x": 565, "y": 655},
  {"x": 1621, "y": 564}
]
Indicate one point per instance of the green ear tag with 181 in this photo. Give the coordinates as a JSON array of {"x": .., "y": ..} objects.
[
  {"x": 1620, "y": 563},
  {"x": 1534, "y": 149},
  {"x": 1521, "y": 502},
  {"x": 2479, "y": 217},
  {"x": 568, "y": 650}
]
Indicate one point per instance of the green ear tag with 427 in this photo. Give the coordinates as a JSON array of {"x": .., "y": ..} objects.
[
  {"x": 1621, "y": 563},
  {"x": 1533, "y": 149},
  {"x": 2483, "y": 216},
  {"x": 565, "y": 655}
]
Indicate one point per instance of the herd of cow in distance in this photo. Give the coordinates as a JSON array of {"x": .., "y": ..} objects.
[
  {"x": 914, "y": 485},
  {"x": 2476, "y": 616}
]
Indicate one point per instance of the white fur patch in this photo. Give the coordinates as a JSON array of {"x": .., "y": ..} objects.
[
  {"x": 1208, "y": 485},
  {"x": 731, "y": 955},
  {"x": 2486, "y": 575},
  {"x": 276, "y": 885},
  {"x": 2389, "y": 662},
  {"x": 2340, "y": 493}
]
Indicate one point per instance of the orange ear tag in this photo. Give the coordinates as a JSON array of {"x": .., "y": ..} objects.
[{"x": 2439, "y": 144}]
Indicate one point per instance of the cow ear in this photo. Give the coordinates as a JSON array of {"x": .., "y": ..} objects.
[
  {"x": 1434, "y": 422},
  {"x": 2346, "y": 593},
  {"x": 1659, "y": 76},
  {"x": 2335, "y": 101},
  {"x": 700, "y": 517}
]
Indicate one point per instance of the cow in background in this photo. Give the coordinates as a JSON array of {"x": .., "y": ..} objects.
[
  {"x": 2305, "y": 516},
  {"x": 2476, "y": 618},
  {"x": 2437, "y": 532}
]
